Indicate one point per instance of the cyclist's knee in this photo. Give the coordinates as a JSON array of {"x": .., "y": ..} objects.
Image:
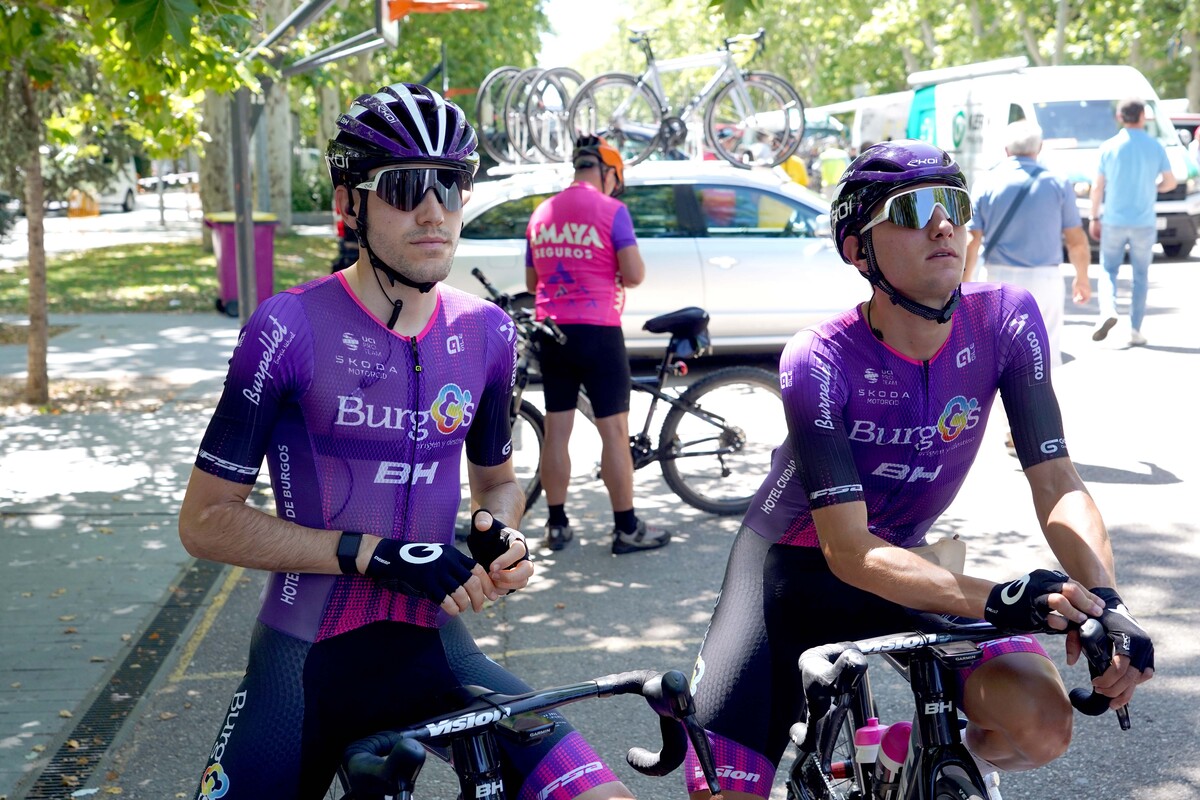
[{"x": 1045, "y": 734}]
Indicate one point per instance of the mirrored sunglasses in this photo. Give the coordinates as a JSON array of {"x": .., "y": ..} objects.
[
  {"x": 914, "y": 208},
  {"x": 404, "y": 187}
]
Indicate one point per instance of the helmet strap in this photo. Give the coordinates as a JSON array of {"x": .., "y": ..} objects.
[
  {"x": 876, "y": 277},
  {"x": 378, "y": 263}
]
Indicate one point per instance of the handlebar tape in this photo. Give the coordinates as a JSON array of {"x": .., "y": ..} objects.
[{"x": 1089, "y": 701}]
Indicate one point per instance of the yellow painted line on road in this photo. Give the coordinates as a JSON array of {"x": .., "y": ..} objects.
[
  {"x": 607, "y": 645},
  {"x": 210, "y": 616}
]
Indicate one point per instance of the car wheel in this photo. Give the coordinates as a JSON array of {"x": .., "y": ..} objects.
[{"x": 1176, "y": 250}]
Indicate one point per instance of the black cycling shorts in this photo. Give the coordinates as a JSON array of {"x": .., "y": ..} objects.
[
  {"x": 301, "y": 704},
  {"x": 593, "y": 357}
]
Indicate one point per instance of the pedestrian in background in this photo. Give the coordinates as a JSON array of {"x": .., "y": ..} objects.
[
  {"x": 582, "y": 254},
  {"x": 1021, "y": 215},
  {"x": 1134, "y": 170}
]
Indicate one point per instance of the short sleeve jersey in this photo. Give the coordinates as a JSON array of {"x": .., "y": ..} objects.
[
  {"x": 362, "y": 429},
  {"x": 1131, "y": 162},
  {"x": 573, "y": 239},
  {"x": 866, "y": 423}
]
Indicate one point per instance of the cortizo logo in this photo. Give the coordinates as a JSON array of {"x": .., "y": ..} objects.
[{"x": 464, "y": 722}]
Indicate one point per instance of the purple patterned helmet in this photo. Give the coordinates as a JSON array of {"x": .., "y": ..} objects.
[
  {"x": 879, "y": 171},
  {"x": 401, "y": 122}
]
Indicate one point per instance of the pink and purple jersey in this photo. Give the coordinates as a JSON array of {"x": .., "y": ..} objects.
[
  {"x": 363, "y": 429},
  {"x": 573, "y": 239},
  {"x": 868, "y": 423}
]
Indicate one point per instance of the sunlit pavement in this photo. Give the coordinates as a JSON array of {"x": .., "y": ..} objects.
[{"x": 92, "y": 558}]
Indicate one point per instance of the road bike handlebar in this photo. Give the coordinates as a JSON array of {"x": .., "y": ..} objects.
[
  {"x": 834, "y": 669},
  {"x": 377, "y": 760}
]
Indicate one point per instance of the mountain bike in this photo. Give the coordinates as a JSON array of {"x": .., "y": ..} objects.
[
  {"x": 937, "y": 766},
  {"x": 750, "y": 118},
  {"x": 710, "y": 462},
  {"x": 386, "y": 765}
]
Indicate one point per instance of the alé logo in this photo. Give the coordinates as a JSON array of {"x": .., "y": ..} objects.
[{"x": 584, "y": 235}]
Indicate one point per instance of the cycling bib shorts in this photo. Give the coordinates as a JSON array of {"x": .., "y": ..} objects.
[{"x": 593, "y": 357}]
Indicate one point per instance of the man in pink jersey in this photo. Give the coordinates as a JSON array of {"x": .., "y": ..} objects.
[
  {"x": 582, "y": 254},
  {"x": 362, "y": 390}
]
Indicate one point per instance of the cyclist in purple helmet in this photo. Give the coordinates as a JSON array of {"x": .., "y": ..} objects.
[
  {"x": 362, "y": 396},
  {"x": 886, "y": 406}
]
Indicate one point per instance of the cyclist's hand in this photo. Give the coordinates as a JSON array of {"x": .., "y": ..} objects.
[
  {"x": 501, "y": 549},
  {"x": 1026, "y": 603},
  {"x": 1133, "y": 651},
  {"x": 437, "y": 572}
]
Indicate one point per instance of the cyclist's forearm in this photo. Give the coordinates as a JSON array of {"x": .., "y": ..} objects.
[
  {"x": 496, "y": 489},
  {"x": 1077, "y": 536},
  {"x": 216, "y": 524}
]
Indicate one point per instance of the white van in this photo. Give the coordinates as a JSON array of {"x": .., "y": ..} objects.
[{"x": 965, "y": 110}]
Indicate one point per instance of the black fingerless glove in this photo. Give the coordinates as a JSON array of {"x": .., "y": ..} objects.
[
  {"x": 488, "y": 545},
  {"x": 1127, "y": 636},
  {"x": 422, "y": 569},
  {"x": 1024, "y": 604}
]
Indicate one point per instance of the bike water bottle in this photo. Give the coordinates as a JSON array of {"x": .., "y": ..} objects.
[
  {"x": 866, "y": 741},
  {"x": 893, "y": 752}
]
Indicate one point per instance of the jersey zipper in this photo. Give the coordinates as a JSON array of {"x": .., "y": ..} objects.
[
  {"x": 414, "y": 402},
  {"x": 925, "y": 381}
]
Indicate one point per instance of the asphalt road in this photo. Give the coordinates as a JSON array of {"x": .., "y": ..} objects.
[{"x": 588, "y": 613}]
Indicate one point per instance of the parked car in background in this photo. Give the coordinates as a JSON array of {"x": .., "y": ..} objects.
[
  {"x": 120, "y": 191},
  {"x": 748, "y": 245}
]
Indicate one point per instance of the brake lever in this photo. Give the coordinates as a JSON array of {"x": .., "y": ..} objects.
[{"x": 1096, "y": 648}]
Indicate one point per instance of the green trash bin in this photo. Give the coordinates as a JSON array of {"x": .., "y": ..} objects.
[{"x": 224, "y": 241}]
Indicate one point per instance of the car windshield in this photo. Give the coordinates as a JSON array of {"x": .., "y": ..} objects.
[{"x": 1087, "y": 123}]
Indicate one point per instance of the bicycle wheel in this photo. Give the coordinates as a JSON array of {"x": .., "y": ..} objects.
[
  {"x": 756, "y": 123},
  {"x": 807, "y": 782},
  {"x": 953, "y": 783},
  {"x": 489, "y": 113},
  {"x": 712, "y": 462},
  {"x": 528, "y": 431},
  {"x": 626, "y": 113},
  {"x": 546, "y": 112},
  {"x": 515, "y": 97}
]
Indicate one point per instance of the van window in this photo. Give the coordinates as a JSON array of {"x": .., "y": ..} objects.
[{"x": 1077, "y": 123}]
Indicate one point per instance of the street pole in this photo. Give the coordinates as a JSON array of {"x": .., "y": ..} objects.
[{"x": 243, "y": 206}]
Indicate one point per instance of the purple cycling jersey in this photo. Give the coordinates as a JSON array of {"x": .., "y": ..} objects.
[
  {"x": 868, "y": 423},
  {"x": 362, "y": 429}
]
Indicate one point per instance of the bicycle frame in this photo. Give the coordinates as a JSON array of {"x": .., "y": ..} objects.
[
  {"x": 929, "y": 663},
  {"x": 728, "y": 72}
]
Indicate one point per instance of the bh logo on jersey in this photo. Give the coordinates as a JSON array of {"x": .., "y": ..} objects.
[
  {"x": 960, "y": 414},
  {"x": 453, "y": 407},
  {"x": 214, "y": 783}
]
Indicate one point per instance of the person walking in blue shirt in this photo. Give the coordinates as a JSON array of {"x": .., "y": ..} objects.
[
  {"x": 1021, "y": 216},
  {"x": 1133, "y": 170}
]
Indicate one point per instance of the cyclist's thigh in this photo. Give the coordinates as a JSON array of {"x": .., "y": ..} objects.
[
  {"x": 559, "y": 767},
  {"x": 606, "y": 374},
  {"x": 733, "y": 680},
  {"x": 1015, "y": 676},
  {"x": 258, "y": 748},
  {"x": 561, "y": 378}
]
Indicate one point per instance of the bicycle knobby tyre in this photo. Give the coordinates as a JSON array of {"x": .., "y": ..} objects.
[{"x": 751, "y": 425}]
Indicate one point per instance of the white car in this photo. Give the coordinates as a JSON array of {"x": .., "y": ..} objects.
[{"x": 748, "y": 245}]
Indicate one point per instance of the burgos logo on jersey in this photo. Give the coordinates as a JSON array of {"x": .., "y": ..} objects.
[
  {"x": 960, "y": 414},
  {"x": 452, "y": 408}
]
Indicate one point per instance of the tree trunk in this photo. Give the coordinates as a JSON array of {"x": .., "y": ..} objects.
[
  {"x": 1191, "y": 41},
  {"x": 37, "y": 384},
  {"x": 216, "y": 171}
]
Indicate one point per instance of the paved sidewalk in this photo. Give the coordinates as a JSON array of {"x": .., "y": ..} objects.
[{"x": 87, "y": 516}]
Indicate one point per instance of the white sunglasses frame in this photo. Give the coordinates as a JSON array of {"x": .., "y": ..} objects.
[{"x": 882, "y": 216}]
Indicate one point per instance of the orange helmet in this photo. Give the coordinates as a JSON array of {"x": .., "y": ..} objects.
[{"x": 592, "y": 151}]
